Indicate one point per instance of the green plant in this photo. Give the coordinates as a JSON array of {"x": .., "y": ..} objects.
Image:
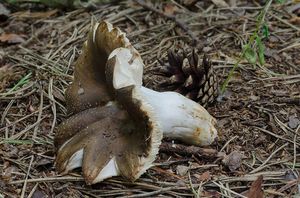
[
  {"x": 12, "y": 141},
  {"x": 21, "y": 82},
  {"x": 254, "y": 50}
]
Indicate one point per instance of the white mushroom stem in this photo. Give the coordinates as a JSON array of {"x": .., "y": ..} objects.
[{"x": 181, "y": 118}]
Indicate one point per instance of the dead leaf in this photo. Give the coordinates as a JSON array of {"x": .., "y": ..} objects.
[
  {"x": 290, "y": 175},
  {"x": 39, "y": 194},
  {"x": 43, "y": 162},
  {"x": 224, "y": 96},
  {"x": 7, "y": 76},
  {"x": 220, "y": 3},
  {"x": 7, "y": 171},
  {"x": 168, "y": 172},
  {"x": 233, "y": 3},
  {"x": 181, "y": 170},
  {"x": 58, "y": 95},
  {"x": 189, "y": 3},
  {"x": 293, "y": 122},
  {"x": 11, "y": 38},
  {"x": 293, "y": 8},
  {"x": 211, "y": 194},
  {"x": 8, "y": 150},
  {"x": 31, "y": 109},
  {"x": 233, "y": 161},
  {"x": 255, "y": 190},
  {"x": 34, "y": 15},
  {"x": 170, "y": 9},
  {"x": 206, "y": 176},
  {"x": 254, "y": 98},
  {"x": 295, "y": 20},
  {"x": 180, "y": 183},
  {"x": 4, "y": 12},
  {"x": 2, "y": 55}
]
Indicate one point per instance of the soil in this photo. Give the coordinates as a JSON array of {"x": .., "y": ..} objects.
[{"x": 258, "y": 114}]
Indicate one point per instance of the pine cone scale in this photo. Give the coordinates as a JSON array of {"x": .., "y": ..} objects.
[{"x": 188, "y": 76}]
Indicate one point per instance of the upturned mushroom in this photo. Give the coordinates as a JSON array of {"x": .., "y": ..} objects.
[
  {"x": 118, "y": 124},
  {"x": 111, "y": 132}
]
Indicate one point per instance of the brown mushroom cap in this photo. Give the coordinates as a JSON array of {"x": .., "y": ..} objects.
[
  {"x": 81, "y": 120},
  {"x": 130, "y": 137},
  {"x": 89, "y": 88}
]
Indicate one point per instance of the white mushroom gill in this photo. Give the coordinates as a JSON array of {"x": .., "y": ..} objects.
[
  {"x": 75, "y": 161},
  {"x": 157, "y": 131},
  {"x": 133, "y": 73},
  {"x": 110, "y": 170}
]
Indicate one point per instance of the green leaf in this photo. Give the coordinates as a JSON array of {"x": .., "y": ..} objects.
[
  {"x": 261, "y": 50},
  {"x": 280, "y": 1},
  {"x": 265, "y": 31},
  {"x": 11, "y": 141},
  {"x": 249, "y": 54}
]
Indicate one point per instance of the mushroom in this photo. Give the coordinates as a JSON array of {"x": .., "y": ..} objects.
[
  {"x": 118, "y": 124},
  {"x": 121, "y": 137}
]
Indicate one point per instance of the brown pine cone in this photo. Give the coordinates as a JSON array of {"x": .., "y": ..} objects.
[{"x": 188, "y": 76}]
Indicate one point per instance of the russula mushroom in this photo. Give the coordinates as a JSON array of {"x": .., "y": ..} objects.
[
  {"x": 121, "y": 137},
  {"x": 117, "y": 124}
]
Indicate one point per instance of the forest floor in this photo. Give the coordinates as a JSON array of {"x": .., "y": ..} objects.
[{"x": 258, "y": 115}]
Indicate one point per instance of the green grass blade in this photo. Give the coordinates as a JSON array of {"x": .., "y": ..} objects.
[
  {"x": 12, "y": 141},
  {"x": 21, "y": 82},
  {"x": 265, "y": 31},
  {"x": 261, "y": 50},
  {"x": 250, "y": 54}
]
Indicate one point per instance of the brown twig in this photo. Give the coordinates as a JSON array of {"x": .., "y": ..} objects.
[
  {"x": 178, "y": 22},
  {"x": 167, "y": 147},
  {"x": 295, "y": 101}
]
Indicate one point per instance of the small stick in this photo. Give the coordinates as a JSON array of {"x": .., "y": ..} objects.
[
  {"x": 264, "y": 164},
  {"x": 26, "y": 178},
  {"x": 295, "y": 101},
  {"x": 178, "y": 22},
  {"x": 49, "y": 179},
  {"x": 167, "y": 147}
]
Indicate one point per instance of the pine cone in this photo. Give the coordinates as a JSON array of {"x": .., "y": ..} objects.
[{"x": 186, "y": 75}]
